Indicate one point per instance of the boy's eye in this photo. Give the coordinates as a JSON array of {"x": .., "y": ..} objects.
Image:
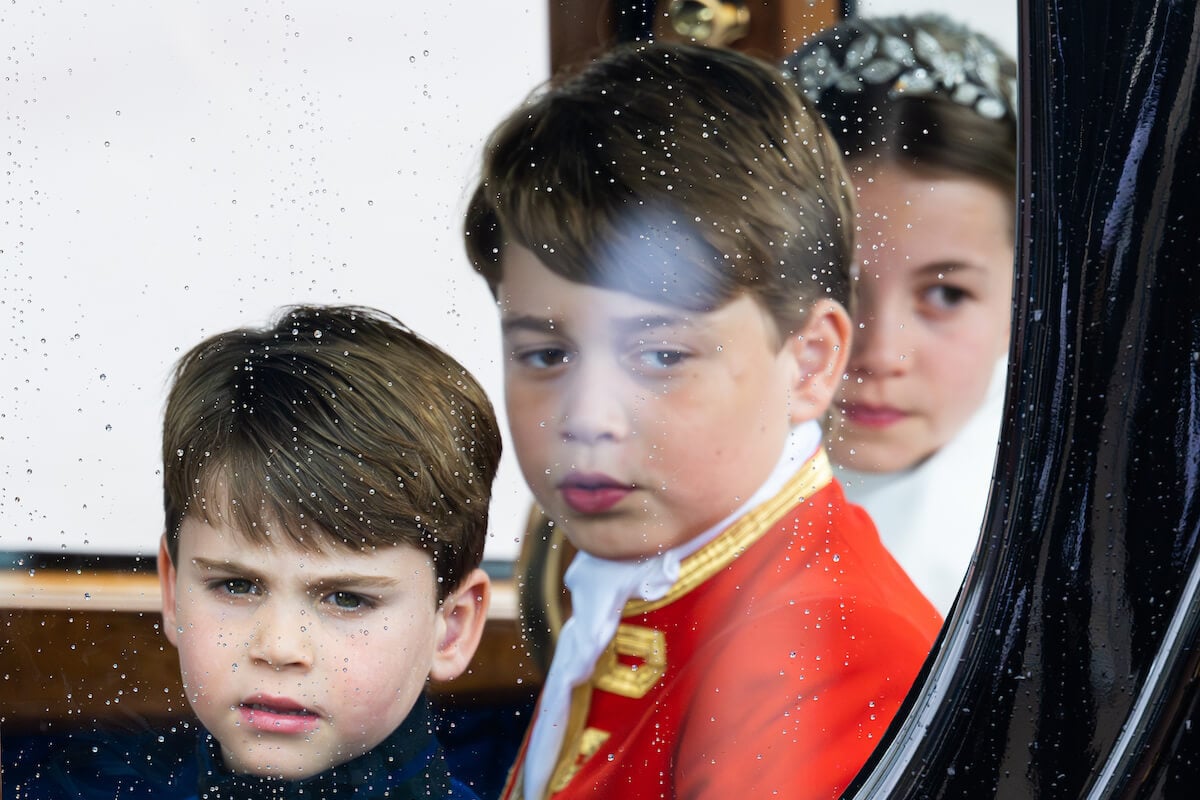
[
  {"x": 544, "y": 357},
  {"x": 346, "y": 601},
  {"x": 237, "y": 586},
  {"x": 659, "y": 358}
]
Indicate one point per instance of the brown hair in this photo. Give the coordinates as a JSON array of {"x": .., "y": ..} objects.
[
  {"x": 924, "y": 92},
  {"x": 335, "y": 427},
  {"x": 677, "y": 173}
]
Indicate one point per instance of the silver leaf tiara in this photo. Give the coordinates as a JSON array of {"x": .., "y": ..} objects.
[{"x": 915, "y": 66}]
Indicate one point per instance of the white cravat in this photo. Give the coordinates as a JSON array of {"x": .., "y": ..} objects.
[{"x": 599, "y": 590}]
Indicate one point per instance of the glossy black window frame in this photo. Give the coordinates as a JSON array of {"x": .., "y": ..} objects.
[{"x": 1068, "y": 667}]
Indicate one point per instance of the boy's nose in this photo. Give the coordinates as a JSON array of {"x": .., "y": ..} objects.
[
  {"x": 281, "y": 638},
  {"x": 593, "y": 410}
]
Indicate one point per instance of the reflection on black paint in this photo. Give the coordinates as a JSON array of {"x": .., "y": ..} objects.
[{"x": 1068, "y": 668}]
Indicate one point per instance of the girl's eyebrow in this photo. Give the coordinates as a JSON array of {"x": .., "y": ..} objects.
[{"x": 939, "y": 267}]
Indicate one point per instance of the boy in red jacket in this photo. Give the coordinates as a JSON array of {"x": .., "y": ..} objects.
[{"x": 668, "y": 236}]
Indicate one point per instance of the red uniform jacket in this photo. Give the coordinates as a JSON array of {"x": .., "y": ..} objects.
[{"x": 770, "y": 669}]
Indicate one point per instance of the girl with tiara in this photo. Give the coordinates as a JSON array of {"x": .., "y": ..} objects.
[{"x": 923, "y": 110}]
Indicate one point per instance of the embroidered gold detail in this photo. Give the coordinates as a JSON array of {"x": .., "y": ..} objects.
[
  {"x": 814, "y": 476},
  {"x": 568, "y": 761},
  {"x": 632, "y": 680},
  {"x": 590, "y": 741}
]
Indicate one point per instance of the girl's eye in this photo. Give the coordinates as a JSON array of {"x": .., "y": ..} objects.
[
  {"x": 943, "y": 297},
  {"x": 544, "y": 358},
  {"x": 346, "y": 601}
]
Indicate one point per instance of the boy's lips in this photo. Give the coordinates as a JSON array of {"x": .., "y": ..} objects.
[
  {"x": 592, "y": 492},
  {"x": 872, "y": 416},
  {"x": 277, "y": 715}
]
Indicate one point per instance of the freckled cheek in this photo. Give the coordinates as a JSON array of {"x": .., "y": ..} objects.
[
  {"x": 393, "y": 636},
  {"x": 351, "y": 657},
  {"x": 384, "y": 670},
  {"x": 211, "y": 647}
]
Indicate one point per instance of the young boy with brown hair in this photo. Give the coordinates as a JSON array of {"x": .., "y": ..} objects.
[
  {"x": 668, "y": 235},
  {"x": 326, "y": 483}
]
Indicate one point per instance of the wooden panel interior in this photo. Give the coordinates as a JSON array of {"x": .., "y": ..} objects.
[
  {"x": 777, "y": 27},
  {"x": 581, "y": 29}
]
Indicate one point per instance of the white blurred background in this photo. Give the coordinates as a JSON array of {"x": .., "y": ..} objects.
[{"x": 175, "y": 169}]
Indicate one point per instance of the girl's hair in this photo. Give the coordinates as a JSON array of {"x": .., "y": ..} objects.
[{"x": 924, "y": 92}]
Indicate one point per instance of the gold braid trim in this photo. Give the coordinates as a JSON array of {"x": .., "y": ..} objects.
[{"x": 812, "y": 477}]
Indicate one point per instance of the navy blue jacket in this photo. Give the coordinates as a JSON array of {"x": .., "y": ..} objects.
[{"x": 407, "y": 765}]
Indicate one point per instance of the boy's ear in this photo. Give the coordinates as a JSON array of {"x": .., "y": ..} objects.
[
  {"x": 820, "y": 351},
  {"x": 460, "y": 625},
  {"x": 166, "y": 583}
]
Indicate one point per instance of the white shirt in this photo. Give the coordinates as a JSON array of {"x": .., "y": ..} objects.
[{"x": 929, "y": 516}]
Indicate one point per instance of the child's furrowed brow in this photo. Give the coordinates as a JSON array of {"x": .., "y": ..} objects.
[
  {"x": 352, "y": 580},
  {"x": 340, "y": 580},
  {"x": 225, "y": 567}
]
